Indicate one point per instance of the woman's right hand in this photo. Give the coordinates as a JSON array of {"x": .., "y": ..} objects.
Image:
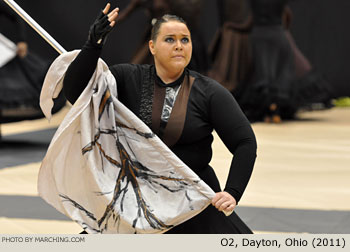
[{"x": 102, "y": 26}]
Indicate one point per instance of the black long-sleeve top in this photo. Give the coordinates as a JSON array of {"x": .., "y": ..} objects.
[{"x": 210, "y": 107}]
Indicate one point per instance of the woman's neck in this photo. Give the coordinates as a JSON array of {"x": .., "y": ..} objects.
[{"x": 166, "y": 76}]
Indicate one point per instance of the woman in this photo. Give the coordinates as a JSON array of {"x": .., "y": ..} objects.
[
  {"x": 184, "y": 120},
  {"x": 312, "y": 90},
  {"x": 154, "y": 9},
  {"x": 279, "y": 85},
  {"x": 21, "y": 78},
  {"x": 230, "y": 50},
  {"x": 268, "y": 94}
]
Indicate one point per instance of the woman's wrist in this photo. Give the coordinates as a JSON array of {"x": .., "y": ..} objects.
[{"x": 236, "y": 195}]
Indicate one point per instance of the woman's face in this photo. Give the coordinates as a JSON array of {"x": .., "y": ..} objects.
[{"x": 172, "y": 48}]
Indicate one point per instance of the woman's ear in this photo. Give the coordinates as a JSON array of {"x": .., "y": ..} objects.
[{"x": 151, "y": 46}]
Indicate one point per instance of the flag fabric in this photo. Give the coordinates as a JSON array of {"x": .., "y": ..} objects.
[
  {"x": 7, "y": 50},
  {"x": 106, "y": 170}
]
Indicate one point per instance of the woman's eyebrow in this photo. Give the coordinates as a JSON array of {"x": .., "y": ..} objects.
[{"x": 173, "y": 35}]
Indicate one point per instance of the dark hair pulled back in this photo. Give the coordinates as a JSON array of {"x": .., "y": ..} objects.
[{"x": 164, "y": 19}]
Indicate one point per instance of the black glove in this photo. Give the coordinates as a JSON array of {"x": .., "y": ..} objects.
[{"x": 99, "y": 30}]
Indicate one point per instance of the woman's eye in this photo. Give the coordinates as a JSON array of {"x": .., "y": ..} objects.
[
  {"x": 169, "y": 40},
  {"x": 185, "y": 40}
]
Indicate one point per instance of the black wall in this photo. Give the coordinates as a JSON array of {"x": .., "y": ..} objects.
[{"x": 319, "y": 28}]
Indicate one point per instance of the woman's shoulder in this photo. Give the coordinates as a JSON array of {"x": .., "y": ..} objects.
[
  {"x": 206, "y": 83},
  {"x": 129, "y": 67},
  {"x": 209, "y": 89},
  {"x": 130, "y": 70}
]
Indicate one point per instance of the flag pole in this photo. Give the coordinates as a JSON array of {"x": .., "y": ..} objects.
[{"x": 35, "y": 26}]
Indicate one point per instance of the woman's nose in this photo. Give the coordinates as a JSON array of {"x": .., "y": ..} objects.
[{"x": 178, "y": 45}]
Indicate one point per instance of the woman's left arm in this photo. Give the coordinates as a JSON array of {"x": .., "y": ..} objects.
[{"x": 235, "y": 131}]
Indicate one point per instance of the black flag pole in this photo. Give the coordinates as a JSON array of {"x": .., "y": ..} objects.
[{"x": 35, "y": 26}]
